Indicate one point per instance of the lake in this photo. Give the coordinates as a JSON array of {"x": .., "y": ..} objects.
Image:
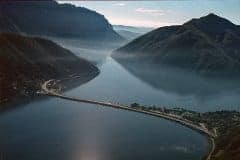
[{"x": 59, "y": 129}]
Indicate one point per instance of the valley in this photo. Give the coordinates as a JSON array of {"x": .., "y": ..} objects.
[{"x": 119, "y": 80}]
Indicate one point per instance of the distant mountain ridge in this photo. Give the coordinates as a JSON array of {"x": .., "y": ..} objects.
[
  {"x": 209, "y": 44},
  {"x": 131, "y": 32},
  {"x": 26, "y": 62},
  {"x": 135, "y": 29},
  {"x": 128, "y": 35},
  {"x": 49, "y": 18}
]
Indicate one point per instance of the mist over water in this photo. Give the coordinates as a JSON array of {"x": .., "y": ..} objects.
[
  {"x": 154, "y": 84},
  {"x": 94, "y": 51},
  {"x": 206, "y": 93},
  {"x": 60, "y": 129}
]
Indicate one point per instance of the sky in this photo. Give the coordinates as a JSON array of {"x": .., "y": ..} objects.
[{"x": 161, "y": 13}]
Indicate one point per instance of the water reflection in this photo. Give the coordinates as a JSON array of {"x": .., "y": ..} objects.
[
  {"x": 119, "y": 85},
  {"x": 182, "y": 82},
  {"x": 59, "y": 129}
]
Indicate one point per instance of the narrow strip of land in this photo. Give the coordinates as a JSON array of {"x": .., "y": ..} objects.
[{"x": 203, "y": 130}]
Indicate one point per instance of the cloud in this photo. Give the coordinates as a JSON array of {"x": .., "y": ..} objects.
[
  {"x": 119, "y": 4},
  {"x": 150, "y": 11},
  {"x": 136, "y": 22}
]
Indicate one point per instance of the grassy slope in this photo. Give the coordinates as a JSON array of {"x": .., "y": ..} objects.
[{"x": 228, "y": 146}]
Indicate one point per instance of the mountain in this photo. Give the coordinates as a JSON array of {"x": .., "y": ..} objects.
[
  {"x": 131, "y": 32},
  {"x": 128, "y": 35},
  {"x": 26, "y": 62},
  {"x": 48, "y": 18},
  {"x": 207, "y": 45},
  {"x": 135, "y": 29}
]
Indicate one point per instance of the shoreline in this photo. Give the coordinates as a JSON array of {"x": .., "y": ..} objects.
[
  {"x": 203, "y": 123},
  {"x": 211, "y": 150},
  {"x": 68, "y": 82},
  {"x": 174, "y": 118}
]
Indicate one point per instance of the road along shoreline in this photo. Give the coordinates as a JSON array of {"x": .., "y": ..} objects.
[{"x": 46, "y": 90}]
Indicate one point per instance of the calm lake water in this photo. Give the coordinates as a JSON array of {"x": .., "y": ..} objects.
[
  {"x": 63, "y": 130},
  {"x": 60, "y": 129}
]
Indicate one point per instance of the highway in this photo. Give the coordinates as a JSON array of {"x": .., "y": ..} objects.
[{"x": 171, "y": 117}]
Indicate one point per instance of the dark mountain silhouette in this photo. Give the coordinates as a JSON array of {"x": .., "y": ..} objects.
[
  {"x": 48, "y": 18},
  {"x": 26, "y": 62},
  {"x": 208, "y": 45}
]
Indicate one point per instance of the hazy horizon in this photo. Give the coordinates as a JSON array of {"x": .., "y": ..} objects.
[{"x": 160, "y": 13}]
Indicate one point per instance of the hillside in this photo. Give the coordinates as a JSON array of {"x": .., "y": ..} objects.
[
  {"x": 135, "y": 29},
  {"x": 228, "y": 146},
  {"x": 48, "y": 18},
  {"x": 26, "y": 62},
  {"x": 206, "y": 45},
  {"x": 131, "y": 32},
  {"x": 128, "y": 35}
]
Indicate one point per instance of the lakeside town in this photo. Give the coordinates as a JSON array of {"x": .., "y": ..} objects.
[
  {"x": 224, "y": 124},
  {"x": 221, "y": 127}
]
